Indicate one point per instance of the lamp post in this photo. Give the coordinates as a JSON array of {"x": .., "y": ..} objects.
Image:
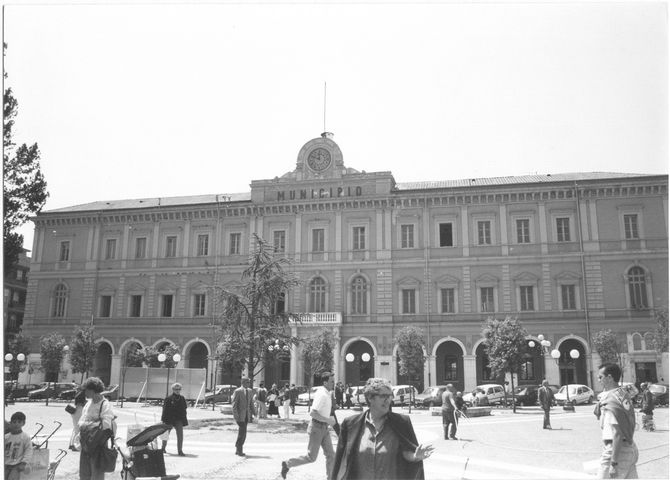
[
  {"x": 574, "y": 355},
  {"x": 9, "y": 358},
  {"x": 350, "y": 358},
  {"x": 162, "y": 358}
]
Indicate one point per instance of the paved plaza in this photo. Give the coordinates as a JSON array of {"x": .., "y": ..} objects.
[{"x": 501, "y": 446}]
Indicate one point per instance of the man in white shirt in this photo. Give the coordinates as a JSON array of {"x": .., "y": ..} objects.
[
  {"x": 617, "y": 420},
  {"x": 319, "y": 434}
]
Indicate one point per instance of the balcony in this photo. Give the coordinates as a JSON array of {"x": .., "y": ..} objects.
[{"x": 319, "y": 318}]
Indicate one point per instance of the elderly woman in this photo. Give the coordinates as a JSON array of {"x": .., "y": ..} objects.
[
  {"x": 97, "y": 408},
  {"x": 379, "y": 444},
  {"x": 174, "y": 414}
]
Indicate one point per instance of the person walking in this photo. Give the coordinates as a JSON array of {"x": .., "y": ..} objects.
[
  {"x": 647, "y": 408},
  {"x": 546, "y": 397},
  {"x": 449, "y": 413},
  {"x": 97, "y": 409},
  {"x": 79, "y": 402},
  {"x": 174, "y": 414},
  {"x": 378, "y": 444},
  {"x": 319, "y": 434},
  {"x": 293, "y": 397},
  {"x": 339, "y": 395},
  {"x": 261, "y": 398},
  {"x": 273, "y": 395},
  {"x": 243, "y": 412},
  {"x": 348, "y": 393},
  {"x": 617, "y": 421},
  {"x": 286, "y": 400}
]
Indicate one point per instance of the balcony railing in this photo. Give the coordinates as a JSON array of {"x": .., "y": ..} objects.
[{"x": 320, "y": 318}]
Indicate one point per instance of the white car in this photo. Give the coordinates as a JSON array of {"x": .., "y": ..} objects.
[
  {"x": 577, "y": 393},
  {"x": 407, "y": 392},
  {"x": 494, "y": 392},
  {"x": 306, "y": 398}
]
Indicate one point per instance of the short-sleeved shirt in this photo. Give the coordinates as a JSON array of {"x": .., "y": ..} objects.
[
  {"x": 607, "y": 419},
  {"x": 18, "y": 448},
  {"x": 323, "y": 401}
]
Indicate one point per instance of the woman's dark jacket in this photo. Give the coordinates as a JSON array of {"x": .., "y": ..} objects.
[
  {"x": 174, "y": 410},
  {"x": 352, "y": 429}
]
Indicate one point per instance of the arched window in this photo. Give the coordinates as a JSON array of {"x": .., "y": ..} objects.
[
  {"x": 317, "y": 295},
  {"x": 637, "y": 288},
  {"x": 59, "y": 301},
  {"x": 637, "y": 341},
  {"x": 359, "y": 296}
]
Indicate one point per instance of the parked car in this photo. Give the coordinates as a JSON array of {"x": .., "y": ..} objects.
[
  {"x": 494, "y": 392},
  {"x": 19, "y": 390},
  {"x": 660, "y": 393},
  {"x": 68, "y": 394},
  {"x": 430, "y": 397},
  {"x": 50, "y": 390},
  {"x": 306, "y": 398},
  {"x": 405, "y": 392},
  {"x": 578, "y": 394},
  {"x": 111, "y": 392},
  {"x": 528, "y": 394},
  {"x": 221, "y": 394}
]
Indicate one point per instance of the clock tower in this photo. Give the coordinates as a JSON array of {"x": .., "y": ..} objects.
[{"x": 320, "y": 158}]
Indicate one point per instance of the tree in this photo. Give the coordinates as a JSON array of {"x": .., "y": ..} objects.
[
  {"x": 24, "y": 189},
  {"x": 149, "y": 356},
  {"x": 410, "y": 341},
  {"x": 83, "y": 350},
  {"x": 608, "y": 347},
  {"x": 317, "y": 354},
  {"x": 132, "y": 357},
  {"x": 16, "y": 345},
  {"x": 231, "y": 353},
  {"x": 505, "y": 343},
  {"x": 51, "y": 353},
  {"x": 252, "y": 312},
  {"x": 661, "y": 332}
]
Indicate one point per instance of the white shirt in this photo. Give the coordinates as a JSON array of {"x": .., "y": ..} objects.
[{"x": 322, "y": 401}]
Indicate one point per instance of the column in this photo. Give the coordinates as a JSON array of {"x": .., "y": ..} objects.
[
  {"x": 544, "y": 248},
  {"x": 295, "y": 358},
  {"x": 465, "y": 231},
  {"x": 469, "y": 372},
  {"x": 115, "y": 372},
  {"x": 552, "y": 373},
  {"x": 336, "y": 354},
  {"x": 432, "y": 371},
  {"x": 503, "y": 230}
]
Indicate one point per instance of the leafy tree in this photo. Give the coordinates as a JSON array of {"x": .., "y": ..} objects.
[
  {"x": 150, "y": 356},
  {"x": 608, "y": 347},
  {"x": 231, "y": 353},
  {"x": 661, "y": 332},
  {"x": 51, "y": 352},
  {"x": 83, "y": 350},
  {"x": 24, "y": 189},
  {"x": 132, "y": 357},
  {"x": 505, "y": 343},
  {"x": 317, "y": 354},
  {"x": 16, "y": 345},
  {"x": 250, "y": 312},
  {"x": 410, "y": 341}
]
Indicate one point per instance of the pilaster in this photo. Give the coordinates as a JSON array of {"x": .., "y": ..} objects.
[{"x": 469, "y": 372}]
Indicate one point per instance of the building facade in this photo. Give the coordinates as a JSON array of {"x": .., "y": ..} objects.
[
  {"x": 15, "y": 286},
  {"x": 568, "y": 254}
]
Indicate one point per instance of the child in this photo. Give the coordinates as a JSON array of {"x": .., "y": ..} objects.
[{"x": 18, "y": 448}]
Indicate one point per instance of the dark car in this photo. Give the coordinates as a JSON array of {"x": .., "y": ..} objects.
[
  {"x": 49, "y": 390},
  {"x": 221, "y": 394},
  {"x": 527, "y": 394},
  {"x": 111, "y": 392},
  {"x": 15, "y": 391},
  {"x": 68, "y": 394},
  {"x": 430, "y": 397}
]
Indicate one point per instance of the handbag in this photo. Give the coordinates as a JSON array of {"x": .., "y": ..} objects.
[
  {"x": 92, "y": 435},
  {"x": 107, "y": 455},
  {"x": 69, "y": 408}
]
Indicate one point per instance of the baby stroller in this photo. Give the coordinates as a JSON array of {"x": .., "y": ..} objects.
[{"x": 140, "y": 461}]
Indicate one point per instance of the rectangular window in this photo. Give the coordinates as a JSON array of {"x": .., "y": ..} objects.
[
  {"x": 20, "y": 275},
  {"x": 64, "y": 255},
  {"x": 408, "y": 301},
  {"x": 203, "y": 245},
  {"x": 318, "y": 237},
  {"x": 199, "y": 305},
  {"x": 448, "y": 300},
  {"x": 359, "y": 238},
  {"x": 527, "y": 370},
  {"x": 166, "y": 305},
  {"x": 110, "y": 249},
  {"x": 135, "y": 306},
  {"x": 279, "y": 241},
  {"x": 526, "y": 300},
  {"x": 141, "y": 247},
  {"x": 563, "y": 229},
  {"x": 171, "y": 246},
  {"x": 450, "y": 367},
  {"x": 486, "y": 294},
  {"x": 630, "y": 227},
  {"x": 568, "y": 300},
  {"x": 235, "y": 243},
  {"x": 105, "y": 306},
  {"x": 279, "y": 306},
  {"x": 406, "y": 236},
  {"x": 523, "y": 230},
  {"x": 446, "y": 235},
  {"x": 484, "y": 232}
]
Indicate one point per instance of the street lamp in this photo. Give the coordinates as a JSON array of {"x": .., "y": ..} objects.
[
  {"x": 9, "y": 358},
  {"x": 365, "y": 357},
  {"x": 162, "y": 358},
  {"x": 574, "y": 355}
]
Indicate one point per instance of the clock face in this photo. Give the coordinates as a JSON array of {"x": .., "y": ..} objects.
[{"x": 319, "y": 159}]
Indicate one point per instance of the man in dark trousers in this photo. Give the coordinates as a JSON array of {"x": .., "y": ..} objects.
[
  {"x": 174, "y": 414},
  {"x": 449, "y": 413},
  {"x": 546, "y": 397},
  {"x": 243, "y": 412}
]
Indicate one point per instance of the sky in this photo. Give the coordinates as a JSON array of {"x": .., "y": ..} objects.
[{"x": 155, "y": 100}]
